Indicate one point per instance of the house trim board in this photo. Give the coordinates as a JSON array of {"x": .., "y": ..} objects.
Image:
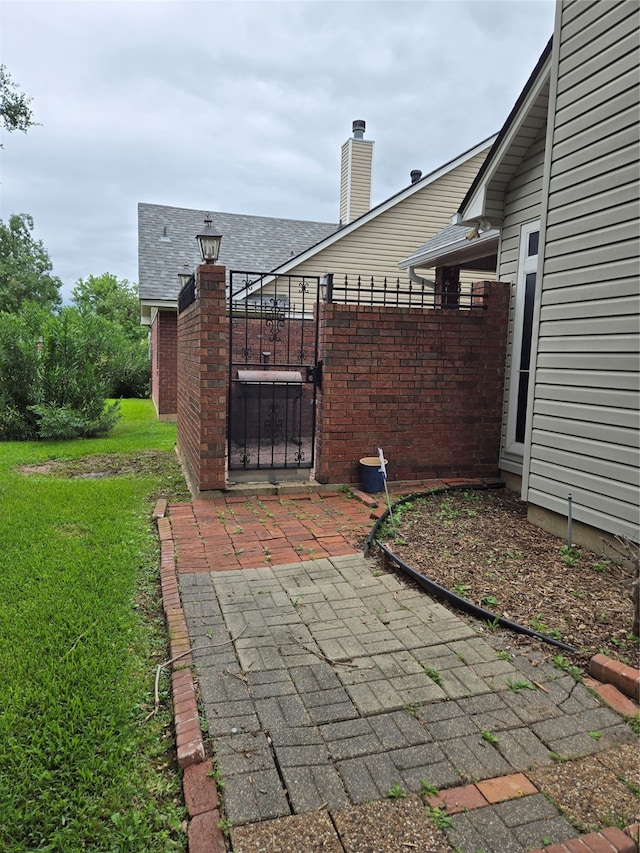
[
  {"x": 544, "y": 205},
  {"x": 472, "y": 207}
]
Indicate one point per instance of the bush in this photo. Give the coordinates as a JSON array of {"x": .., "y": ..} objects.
[
  {"x": 127, "y": 370},
  {"x": 54, "y": 375},
  {"x": 20, "y": 379},
  {"x": 61, "y": 423}
]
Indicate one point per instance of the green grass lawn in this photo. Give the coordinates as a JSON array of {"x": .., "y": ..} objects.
[{"x": 81, "y": 631}]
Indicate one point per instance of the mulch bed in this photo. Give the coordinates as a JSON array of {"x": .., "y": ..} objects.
[{"x": 480, "y": 545}]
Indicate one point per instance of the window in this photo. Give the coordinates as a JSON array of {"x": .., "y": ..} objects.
[{"x": 523, "y": 327}]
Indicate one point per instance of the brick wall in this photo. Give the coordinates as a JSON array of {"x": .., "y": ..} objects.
[
  {"x": 202, "y": 382},
  {"x": 426, "y": 385},
  {"x": 164, "y": 338}
]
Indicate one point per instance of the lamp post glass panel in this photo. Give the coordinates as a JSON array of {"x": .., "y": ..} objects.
[
  {"x": 209, "y": 242},
  {"x": 184, "y": 276}
]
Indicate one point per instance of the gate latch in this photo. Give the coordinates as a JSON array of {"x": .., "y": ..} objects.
[{"x": 314, "y": 374}]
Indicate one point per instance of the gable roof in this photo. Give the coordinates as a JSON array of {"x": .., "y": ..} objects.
[
  {"x": 381, "y": 208},
  {"x": 167, "y": 240}
]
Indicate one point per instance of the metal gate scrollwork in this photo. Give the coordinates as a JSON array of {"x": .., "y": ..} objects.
[{"x": 273, "y": 370}]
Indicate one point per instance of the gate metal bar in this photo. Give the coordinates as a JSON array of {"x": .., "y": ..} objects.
[{"x": 273, "y": 354}]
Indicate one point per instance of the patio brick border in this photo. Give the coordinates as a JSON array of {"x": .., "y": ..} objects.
[
  {"x": 198, "y": 785},
  {"x": 610, "y": 671}
]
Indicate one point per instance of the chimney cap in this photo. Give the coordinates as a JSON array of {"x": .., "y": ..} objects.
[
  {"x": 358, "y": 127},
  {"x": 416, "y": 174}
]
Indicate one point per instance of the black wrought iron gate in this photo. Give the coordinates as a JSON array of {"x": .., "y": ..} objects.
[{"x": 273, "y": 370}]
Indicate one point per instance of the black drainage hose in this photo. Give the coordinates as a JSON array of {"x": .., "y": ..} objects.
[{"x": 456, "y": 600}]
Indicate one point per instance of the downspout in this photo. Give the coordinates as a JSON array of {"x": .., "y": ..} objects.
[{"x": 415, "y": 278}]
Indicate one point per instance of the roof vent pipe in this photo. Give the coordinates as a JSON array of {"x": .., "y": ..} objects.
[
  {"x": 416, "y": 174},
  {"x": 358, "y": 128}
]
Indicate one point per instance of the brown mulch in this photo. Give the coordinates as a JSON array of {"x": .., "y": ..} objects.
[{"x": 480, "y": 545}]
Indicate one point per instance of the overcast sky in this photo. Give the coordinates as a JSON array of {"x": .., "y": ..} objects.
[{"x": 241, "y": 106}]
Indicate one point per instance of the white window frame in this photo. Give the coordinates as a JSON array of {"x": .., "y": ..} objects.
[{"x": 527, "y": 264}]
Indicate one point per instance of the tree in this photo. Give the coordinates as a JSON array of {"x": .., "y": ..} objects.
[
  {"x": 15, "y": 112},
  {"x": 25, "y": 267},
  {"x": 115, "y": 302}
]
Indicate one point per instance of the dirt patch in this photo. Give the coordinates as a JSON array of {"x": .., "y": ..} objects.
[
  {"x": 158, "y": 464},
  {"x": 480, "y": 545}
]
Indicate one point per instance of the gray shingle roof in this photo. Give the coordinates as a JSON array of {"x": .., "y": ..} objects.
[
  {"x": 451, "y": 245},
  {"x": 167, "y": 239}
]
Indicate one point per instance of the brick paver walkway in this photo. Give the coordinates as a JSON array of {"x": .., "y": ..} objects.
[
  {"x": 240, "y": 533},
  {"x": 327, "y": 683}
]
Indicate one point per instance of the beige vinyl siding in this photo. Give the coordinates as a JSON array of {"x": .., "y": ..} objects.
[
  {"x": 355, "y": 179},
  {"x": 345, "y": 164},
  {"x": 375, "y": 248},
  {"x": 521, "y": 204},
  {"x": 585, "y": 426}
]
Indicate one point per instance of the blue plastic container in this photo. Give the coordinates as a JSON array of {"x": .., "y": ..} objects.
[{"x": 371, "y": 477}]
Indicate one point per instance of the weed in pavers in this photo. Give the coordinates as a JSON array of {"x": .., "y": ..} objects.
[
  {"x": 396, "y": 791},
  {"x": 440, "y": 817},
  {"x": 428, "y": 790},
  {"x": 225, "y": 824},
  {"x": 433, "y": 673},
  {"x": 561, "y": 662},
  {"x": 516, "y": 686},
  {"x": 489, "y": 737}
]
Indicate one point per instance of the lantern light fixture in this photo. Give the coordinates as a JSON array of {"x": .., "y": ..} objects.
[
  {"x": 185, "y": 274},
  {"x": 209, "y": 242}
]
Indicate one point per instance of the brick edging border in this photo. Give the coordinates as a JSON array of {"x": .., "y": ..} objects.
[
  {"x": 610, "y": 671},
  {"x": 488, "y": 792},
  {"x": 198, "y": 784}
]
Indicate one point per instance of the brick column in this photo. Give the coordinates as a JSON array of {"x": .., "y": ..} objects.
[
  {"x": 163, "y": 363},
  {"x": 203, "y": 353}
]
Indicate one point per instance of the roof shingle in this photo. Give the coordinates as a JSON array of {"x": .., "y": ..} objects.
[{"x": 167, "y": 240}]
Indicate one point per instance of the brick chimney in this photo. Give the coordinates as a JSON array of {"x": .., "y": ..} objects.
[{"x": 355, "y": 175}]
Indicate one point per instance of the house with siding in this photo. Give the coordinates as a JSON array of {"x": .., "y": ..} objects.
[
  {"x": 558, "y": 200},
  {"x": 367, "y": 242}
]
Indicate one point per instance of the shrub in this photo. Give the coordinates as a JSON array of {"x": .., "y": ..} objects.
[
  {"x": 54, "y": 375},
  {"x": 61, "y": 423}
]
